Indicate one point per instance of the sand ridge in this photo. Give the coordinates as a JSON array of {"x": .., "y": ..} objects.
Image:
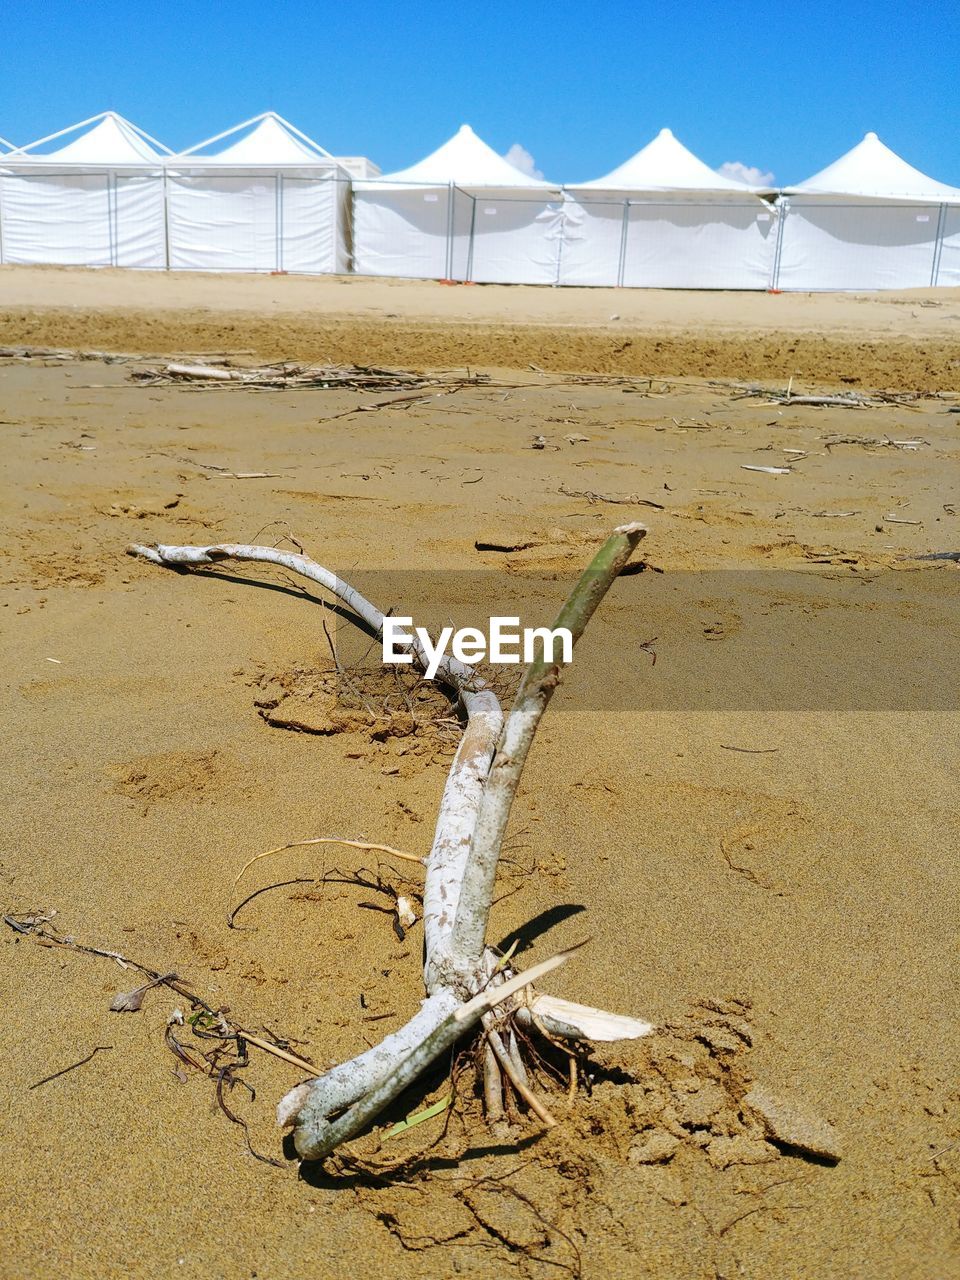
[{"x": 903, "y": 341}]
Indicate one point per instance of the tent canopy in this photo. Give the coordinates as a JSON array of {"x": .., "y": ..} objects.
[
  {"x": 666, "y": 165},
  {"x": 871, "y": 171},
  {"x": 267, "y": 142},
  {"x": 665, "y": 220},
  {"x": 465, "y": 161},
  {"x": 106, "y": 141},
  {"x": 261, "y": 196},
  {"x": 94, "y": 198}
]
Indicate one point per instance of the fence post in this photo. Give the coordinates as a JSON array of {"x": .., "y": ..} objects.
[
  {"x": 473, "y": 229},
  {"x": 448, "y": 261},
  {"x": 938, "y": 245},
  {"x": 166, "y": 219},
  {"x": 624, "y": 229},
  {"x": 278, "y": 221},
  {"x": 781, "y": 208}
]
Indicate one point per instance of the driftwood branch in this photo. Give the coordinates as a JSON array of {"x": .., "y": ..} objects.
[{"x": 464, "y": 981}]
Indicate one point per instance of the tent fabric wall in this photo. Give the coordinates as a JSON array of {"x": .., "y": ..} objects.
[
  {"x": 222, "y": 222},
  {"x": 869, "y": 220},
  {"x": 828, "y": 245},
  {"x": 139, "y": 236},
  {"x": 441, "y": 233},
  {"x": 295, "y": 222},
  {"x": 63, "y": 220},
  {"x": 401, "y": 233},
  {"x": 515, "y": 240},
  {"x": 948, "y": 267},
  {"x": 684, "y": 245},
  {"x": 314, "y": 224},
  {"x": 593, "y": 238},
  {"x": 83, "y": 219},
  {"x": 668, "y": 244}
]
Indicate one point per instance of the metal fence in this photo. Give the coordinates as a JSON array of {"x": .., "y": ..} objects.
[
  {"x": 663, "y": 243},
  {"x": 194, "y": 220},
  {"x": 827, "y": 244},
  {"x": 177, "y": 220},
  {"x": 446, "y": 232}
]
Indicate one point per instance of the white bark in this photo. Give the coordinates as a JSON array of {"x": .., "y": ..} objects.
[
  {"x": 536, "y": 690},
  {"x": 347, "y": 1084},
  {"x": 459, "y": 807},
  {"x": 301, "y": 564},
  {"x": 573, "y": 1021},
  {"x": 204, "y": 372}
]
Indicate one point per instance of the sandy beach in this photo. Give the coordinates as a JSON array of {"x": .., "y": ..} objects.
[{"x": 756, "y": 830}]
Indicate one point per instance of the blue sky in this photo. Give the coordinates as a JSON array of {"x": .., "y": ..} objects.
[{"x": 581, "y": 86}]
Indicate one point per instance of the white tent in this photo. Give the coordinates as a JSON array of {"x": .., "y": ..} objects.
[
  {"x": 271, "y": 200},
  {"x": 95, "y": 201},
  {"x": 664, "y": 219},
  {"x": 461, "y": 213},
  {"x": 869, "y": 221}
]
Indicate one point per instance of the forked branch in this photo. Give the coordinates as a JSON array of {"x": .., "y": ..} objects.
[{"x": 464, "y": 981}]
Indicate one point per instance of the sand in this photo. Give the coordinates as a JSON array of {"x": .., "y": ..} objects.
[
  {"x": 909, "y": 340},
  {"x": 805, "y": 885}
]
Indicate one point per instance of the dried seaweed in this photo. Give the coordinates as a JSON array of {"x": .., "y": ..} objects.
[{"x": 287, "y": 375}]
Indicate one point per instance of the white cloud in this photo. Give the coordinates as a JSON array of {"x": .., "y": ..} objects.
[
  {"x": 746, "y": 173},
  {"x": 521, "y": 159}
]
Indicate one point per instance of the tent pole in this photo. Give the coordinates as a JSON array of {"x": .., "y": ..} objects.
[
  {"x": 1, "y": 218},
  {"x": 938, "y": 246},
  {"x": 208, "y": 142},
  {"x": 166, "y": 221},
  {"x": 473, "y": 227},
  {"x": 782, "y": 207},
  {"x": 61, "y": 133},
  {"x": 448, "y": 266},
  {"x": 624, "y": 229}
]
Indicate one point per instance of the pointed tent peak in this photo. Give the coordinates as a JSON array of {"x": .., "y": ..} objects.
[
  {"x": 468, "y": 162},
  {"x": 666, "y": 165},
  {"x": 873, "y": 171},
  {"x": 107, "y": 139},
  {"x": 264, "y": 141}
]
